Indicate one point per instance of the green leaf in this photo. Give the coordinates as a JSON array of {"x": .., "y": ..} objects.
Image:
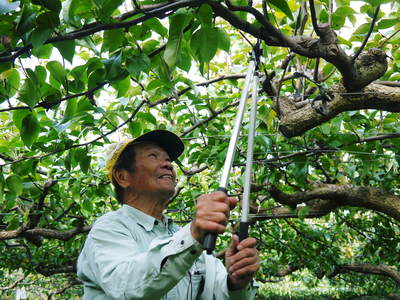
[
  {"x": 138, "y": 63},
  {"x": 27, "y": 20},
  {"x": 29, "y": 93},
  {"x": 41, "y": 74},
  {"x": 43, "y": 51},
  {"x": 362, "y": 29},
  {"x": 282, "y": 6},
  {"x": 6, "y": 6},
  {"x": 80, "y": 155},
  {"x": 387, "y": 23},
  {"x": 54, "y": 5},
  {"x": 377, "y": 2},
  {"x": 204, "y": 43},
  {"x": 30, "y": 129},
  {"x": 96, "y": 78},
  {"x": 77, "y": 9},
  {"x": 156, "y": 26},
  {"x": 113, "y": 40},
  {"x": 122, "y": 86},
  {"x": 205, "y": 14},
  {"x": 57, "y": 70},
  {"x": 14, "y": 184},
  {"x": 18, "y": 116},
  {"x": 48, "y": 19},
  {"x": 147, "y": 117},
  {"x": 39, "y": 36},
  {"x": 13, "y": 81},
  {"x": 135, "y": 129},
  {"x": 150, "y": 45},
  {"x": 107, "y": 7},
  {"x": 87, "y": 205},
  {"x": 178, "y": 22},
  {"x": 2, "y": 185},
  {"x": 84, "y": 163},
  {"x": 338, "y": 21},
  {"x": 67, "y": 49},
  {"x": 71, "y": 110},
  {"x": 185, "y": 61},
  {"x": 113, "y": 66},
  {"x": 224, "y": 42}
]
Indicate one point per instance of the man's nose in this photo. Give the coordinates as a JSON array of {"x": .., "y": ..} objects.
[{"x": 167, "y": 164}]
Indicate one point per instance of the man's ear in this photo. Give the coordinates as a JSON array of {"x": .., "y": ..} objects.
[{"x": 122, "y": 177}]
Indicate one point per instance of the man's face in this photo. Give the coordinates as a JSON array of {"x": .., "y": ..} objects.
[{"x": 153, "y": 173}]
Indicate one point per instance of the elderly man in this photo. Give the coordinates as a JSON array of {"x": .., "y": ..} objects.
[{"x": 137, "y": 252}]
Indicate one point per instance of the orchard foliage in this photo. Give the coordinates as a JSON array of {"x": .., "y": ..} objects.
[{"x": 78, "y": 75}]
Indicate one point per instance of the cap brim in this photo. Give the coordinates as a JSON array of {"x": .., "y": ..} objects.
[{"x": 169, "y": 141}]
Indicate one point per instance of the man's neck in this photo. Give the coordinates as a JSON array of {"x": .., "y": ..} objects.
[{"x": 150, "y": 206}]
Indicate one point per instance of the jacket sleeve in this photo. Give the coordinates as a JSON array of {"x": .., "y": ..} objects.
[{"x": 112, "y": 261}]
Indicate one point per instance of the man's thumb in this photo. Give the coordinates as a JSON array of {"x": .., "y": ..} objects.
[{"x": 232, "y": 249}]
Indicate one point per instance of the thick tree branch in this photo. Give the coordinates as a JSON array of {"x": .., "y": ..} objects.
[
  {"x": 294, "y": 122},
  {"x": 353, "y": 72},
  {"x": 44, "y": 233},
  {"x": 369, "y": 269},
  {"x": 331, "y": 196},
  {"x": 52, "y": 270}
]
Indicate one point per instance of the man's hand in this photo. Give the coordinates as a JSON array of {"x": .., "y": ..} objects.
[
  {"x": 212, "y": 214},
  {"x": 242, "y": 262}
]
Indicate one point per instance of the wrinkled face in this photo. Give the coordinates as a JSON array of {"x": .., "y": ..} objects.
[{"x": 153, "y": 172}]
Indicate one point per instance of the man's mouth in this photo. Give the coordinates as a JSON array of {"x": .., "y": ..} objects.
[{"x": 166, "y": 176}]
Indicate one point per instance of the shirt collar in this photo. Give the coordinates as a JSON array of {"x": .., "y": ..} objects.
[{"x": 145, "y": 220}]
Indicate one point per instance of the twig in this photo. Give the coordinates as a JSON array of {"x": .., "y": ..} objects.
[
  {"x": 371, "y": 28},
  {"x": 314, "y": 18},
  {"x": 198, "y": 124},
  {"x": 380, "y": 45},
  {"x": 160, "y": 12},
  {"x": 13, "y": 285},
  {"x": 79, "y": 145}
]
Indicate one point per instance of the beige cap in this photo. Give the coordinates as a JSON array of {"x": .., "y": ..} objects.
[{"x": 169, "y": 141}]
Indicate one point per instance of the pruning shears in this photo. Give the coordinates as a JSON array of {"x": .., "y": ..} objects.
[{"x": 251, "y": 77}]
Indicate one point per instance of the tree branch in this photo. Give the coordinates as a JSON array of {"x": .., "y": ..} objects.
[
  {"x": 70, "y": 284},
  {"x": 371, "y": 28},
  {"x": 314, "y": 18},
  {"x": 332, "y": 196},
  {"x": 205, "y": 83},
  {"x": 43, "y": 232},
  {"x": 213, "y": 116},
  {"x": 160, "y": 12},
  {"x": 13, "y": 285},
  {"x": 294, "y": 122},
  {"x": 370, "y": 269},
  {"x": 35, "y": 212},
  {"x": 79, "y": 145}
]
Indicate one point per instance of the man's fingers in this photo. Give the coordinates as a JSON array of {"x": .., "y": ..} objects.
[
  {"x": 232, "y": 202},
  {"x": 247, "y": 243},
  {"x": 245, "y": 264}
]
